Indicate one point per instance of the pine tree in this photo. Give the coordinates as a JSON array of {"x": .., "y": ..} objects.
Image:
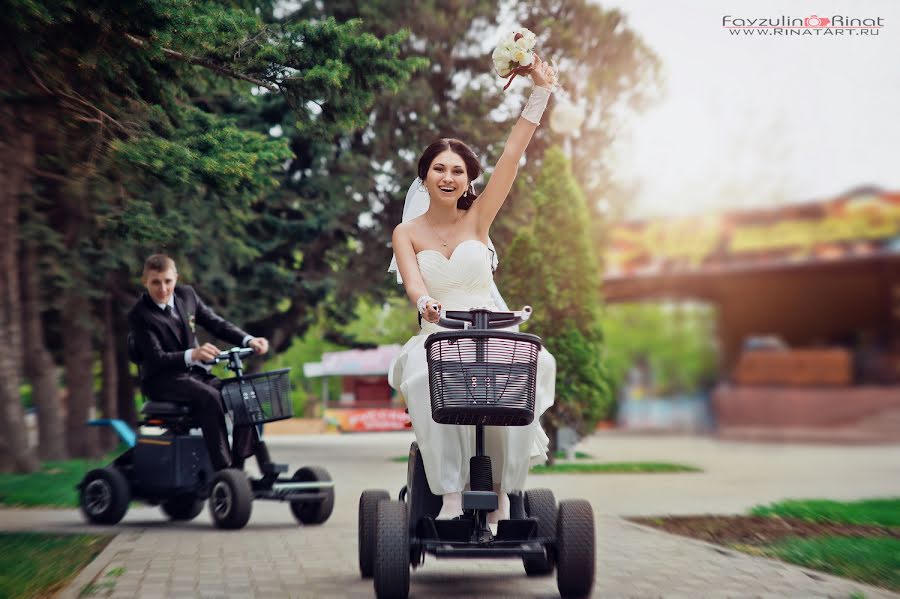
[
  {"x": 98, "y": 123},
  {"x": 551, "y": 266}
]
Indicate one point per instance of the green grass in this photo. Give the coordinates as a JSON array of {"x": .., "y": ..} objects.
[
  {"x": 878, "y": 512},
  {"x": 873, "y": 560},
  {"x": 53, "y": 485},
  {"x": 579, "y": 455},
  {"x": 613, "y": 468},
  {"x": 609, "y": 468},
  {"x": 39, "y": 565}
]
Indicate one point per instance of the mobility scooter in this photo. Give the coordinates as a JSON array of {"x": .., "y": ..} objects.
[
  {"x": 173, "y": 470},
  {"x": 477, "y": 377}
]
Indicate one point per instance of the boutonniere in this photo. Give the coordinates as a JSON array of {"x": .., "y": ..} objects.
[{"x": 192, "y": 323}]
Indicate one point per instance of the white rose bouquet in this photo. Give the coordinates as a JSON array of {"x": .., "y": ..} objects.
[{"x": 514, "y": 54}]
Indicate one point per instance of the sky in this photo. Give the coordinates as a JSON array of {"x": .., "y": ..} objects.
[{"x": 753, "y": 120}]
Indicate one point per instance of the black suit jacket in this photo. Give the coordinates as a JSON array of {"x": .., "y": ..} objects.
[{"x": 160, "y": 341}]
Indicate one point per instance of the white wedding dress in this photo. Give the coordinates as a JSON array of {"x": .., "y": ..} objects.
[{"x": 462, "y": 282}]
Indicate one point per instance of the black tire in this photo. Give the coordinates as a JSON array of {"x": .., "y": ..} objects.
[
  {"x": 368, "y": 505},
  {"x": 104, "y": 496},
  {"x": 541, "y": 504},
  {"x": 230, "y": 499},
  {"x": 183, "y": 507},
  {"x": 575, "y": 548},
  {"x": 391, "y": 571},
  {"x": 313, "y": 512}
]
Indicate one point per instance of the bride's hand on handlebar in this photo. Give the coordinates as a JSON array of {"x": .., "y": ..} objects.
[
  {"x": 204, "y": 353},
  {"x": 259, "y": 344},
  {"x": 432, "y": 312}
]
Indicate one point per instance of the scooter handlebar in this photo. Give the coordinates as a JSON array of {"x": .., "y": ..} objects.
[
  {"x": 240, "y": 352},
  {"x": 463, "y": 319}
]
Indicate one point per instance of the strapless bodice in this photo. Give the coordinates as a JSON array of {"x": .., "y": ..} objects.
[{"x": 463, "y": 280}]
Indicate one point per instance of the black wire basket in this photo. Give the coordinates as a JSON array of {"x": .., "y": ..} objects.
[
  {"x": 258, "y": 398},
  {"x": 482, "y": 377}
]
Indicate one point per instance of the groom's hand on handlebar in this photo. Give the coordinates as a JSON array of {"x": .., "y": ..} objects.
[
  {"x": 204, "y": 353},
  {"x": 259, "y": 344}
]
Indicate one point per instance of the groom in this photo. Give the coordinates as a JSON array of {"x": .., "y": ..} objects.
[{"x": 163, "y": 324}]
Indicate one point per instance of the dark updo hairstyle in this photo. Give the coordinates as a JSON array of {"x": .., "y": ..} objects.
[{"x": 473, "y": 167}]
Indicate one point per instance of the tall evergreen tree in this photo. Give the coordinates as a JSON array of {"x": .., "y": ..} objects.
[
  {"x": 551, "y": 265},
  {"x": 97, "y": 121}
]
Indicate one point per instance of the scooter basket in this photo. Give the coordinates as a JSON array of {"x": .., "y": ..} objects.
[
  {"x": 486, "y": 377},
  {"x": 258, "y": 398}
]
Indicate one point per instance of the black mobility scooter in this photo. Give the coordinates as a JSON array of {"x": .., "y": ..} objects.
[
  {"x": 173, "y": 470},
  {"x": 478, "y": 377}
]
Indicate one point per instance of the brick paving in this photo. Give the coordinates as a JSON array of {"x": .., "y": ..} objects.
[{"x": 274, "y": 557}]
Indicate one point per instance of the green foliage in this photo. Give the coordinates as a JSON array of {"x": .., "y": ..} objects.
[
  {"x": 25, "y": 394},
  {"x": 675, "y": 341},
  {"x": 393, "y": 321},
  {"x": 552, "y": 267},
  {"x": 40, "y": 565},
  {"x": 308, "y": 348},
  {"x": 875, "y": 512},
  {"x": 608, "y": 69}
]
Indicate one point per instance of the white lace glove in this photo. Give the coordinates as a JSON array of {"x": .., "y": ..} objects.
[
  {"x": 422, "y": 303},
  {"x": 536, "y": 104}
]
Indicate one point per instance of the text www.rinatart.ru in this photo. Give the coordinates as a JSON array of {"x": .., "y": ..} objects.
[
  {"x": 800, "y": 31},
  {"x": 839, "y": 25}
]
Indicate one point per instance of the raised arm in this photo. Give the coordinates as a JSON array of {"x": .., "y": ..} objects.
[{"x": 497, "y": 189}]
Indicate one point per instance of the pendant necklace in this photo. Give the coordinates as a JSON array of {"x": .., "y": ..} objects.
[{"x": 443, "y": 239}]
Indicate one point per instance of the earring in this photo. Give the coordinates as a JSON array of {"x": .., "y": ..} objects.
[
  {"x": 421, "y": 185},
  {"x": 471, "y": 190}
]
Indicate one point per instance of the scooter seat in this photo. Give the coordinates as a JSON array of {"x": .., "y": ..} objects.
[{"x": 165, "y": 408}]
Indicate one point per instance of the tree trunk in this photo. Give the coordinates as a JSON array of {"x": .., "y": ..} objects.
[
  {"x": 78, "y": 363},
  {"x": 110, "y": 389},
  {"x": 125, "y": 408},
  {"x": 551, "y": 429},
  {"x": 39, "y": 366},
  {"x": 16, "y": 155}
]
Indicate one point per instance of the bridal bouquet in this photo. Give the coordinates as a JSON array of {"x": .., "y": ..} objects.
[{"x": 514, "y": 54}]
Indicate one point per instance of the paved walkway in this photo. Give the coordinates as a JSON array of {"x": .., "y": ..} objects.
[{"x": 273, "y": 557}]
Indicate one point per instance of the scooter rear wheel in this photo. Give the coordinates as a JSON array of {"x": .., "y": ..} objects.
[
  {"x": 541, "y": 504},
  {"x": 368, "y": 506},
  {"x": 183, "y": 507},
  {"x": 313, "y": 512},
  {"x": 104, "y": 495}
]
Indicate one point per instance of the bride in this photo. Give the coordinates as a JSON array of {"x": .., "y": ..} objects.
[{"x": 445, "y": 260}]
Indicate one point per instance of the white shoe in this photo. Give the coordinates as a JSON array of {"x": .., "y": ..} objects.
[
  {"x": 452, "y": 506},
  {"x": 501, "y": 513}
]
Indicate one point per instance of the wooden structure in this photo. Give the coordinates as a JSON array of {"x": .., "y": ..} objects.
[{"x": 823, "y": 278}]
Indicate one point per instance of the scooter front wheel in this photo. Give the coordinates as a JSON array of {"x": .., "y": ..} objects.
[
  {"x": 391, "y": 570},
  {"x": 230, "y": 499}
]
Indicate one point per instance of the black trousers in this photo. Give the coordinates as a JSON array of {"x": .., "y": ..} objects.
[{"x": 202, "y": 392}]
